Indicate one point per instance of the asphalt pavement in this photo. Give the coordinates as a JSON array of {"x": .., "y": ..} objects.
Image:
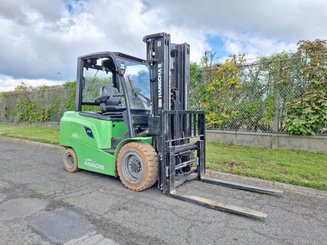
[{"x": 41, "y": 203}]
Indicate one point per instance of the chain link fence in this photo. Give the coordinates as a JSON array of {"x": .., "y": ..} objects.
[
  {"x": 261, "y": 98},
  {"x": 35, "y": 105}
]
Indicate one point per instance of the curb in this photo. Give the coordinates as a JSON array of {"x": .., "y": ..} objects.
[{"x": 32, "y": 142}]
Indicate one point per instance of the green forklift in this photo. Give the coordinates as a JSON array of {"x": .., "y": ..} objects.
[{"x": 132, "y": 121}]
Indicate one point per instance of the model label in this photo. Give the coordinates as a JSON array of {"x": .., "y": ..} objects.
[{"x": 92, "y": 164}]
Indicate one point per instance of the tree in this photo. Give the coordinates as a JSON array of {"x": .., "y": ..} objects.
[
  {"x": 222, "y": 92},
  {"x": 307, "y": 115},
  {"x": 197, "y": 87}
]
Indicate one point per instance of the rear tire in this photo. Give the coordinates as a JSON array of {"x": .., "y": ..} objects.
[
  {"x": 137, "y": 165},
  {"x": 70, "y": 160}
]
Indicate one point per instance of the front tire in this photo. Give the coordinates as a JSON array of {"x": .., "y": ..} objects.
[
  {"x": 137, "y": 165},
  {"x": 70, "y": 160}
]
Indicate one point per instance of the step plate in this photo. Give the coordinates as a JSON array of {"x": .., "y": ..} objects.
[{"x": 219, "y": 206}]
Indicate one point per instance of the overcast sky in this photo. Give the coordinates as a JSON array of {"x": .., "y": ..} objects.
[{"x": 40, "y": 40}]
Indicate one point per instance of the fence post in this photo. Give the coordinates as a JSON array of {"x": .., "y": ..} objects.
[
  {"x": 275, "y": 128},
  {"x": 276, "y": 116}
]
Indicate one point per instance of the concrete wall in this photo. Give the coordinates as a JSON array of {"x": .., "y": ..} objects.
[
  {"x": 36, "y": 124},
  {"x": 268, "y": 140}
]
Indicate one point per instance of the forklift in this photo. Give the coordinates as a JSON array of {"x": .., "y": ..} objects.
[{"x": 132, "y": 121}]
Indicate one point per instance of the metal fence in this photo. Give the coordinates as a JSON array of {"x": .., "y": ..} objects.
[
  {"x": 260, "y": 104},
  {"x": 34, "y": 104}
]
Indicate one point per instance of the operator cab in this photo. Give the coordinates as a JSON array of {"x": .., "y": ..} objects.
[{"x": 116, "y": 87}]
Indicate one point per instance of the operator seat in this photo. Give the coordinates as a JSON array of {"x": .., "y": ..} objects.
[{"x": 112, "y": 104}]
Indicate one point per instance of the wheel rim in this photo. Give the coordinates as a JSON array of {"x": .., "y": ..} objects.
[
  {"x": 132, "y": 166},
  {"x": 70, "y": 161}
]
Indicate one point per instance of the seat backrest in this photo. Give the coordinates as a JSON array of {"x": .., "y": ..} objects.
[{"x": 113, "y": 93}]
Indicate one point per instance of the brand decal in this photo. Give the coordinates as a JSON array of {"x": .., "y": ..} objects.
[
  {"x": 92, "y": 164},
  {"x": 88, "y": 132},
  {"x": 159, "y": 79}
]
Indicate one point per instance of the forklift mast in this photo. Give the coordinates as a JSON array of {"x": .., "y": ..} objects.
[{"x": 179, "y": 159}]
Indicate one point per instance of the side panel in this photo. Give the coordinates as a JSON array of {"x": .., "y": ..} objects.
[
  {"x": 65, "y": 130},
  {"x": 94, "y": 132},
  {"x": 94, "y": 159}
]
